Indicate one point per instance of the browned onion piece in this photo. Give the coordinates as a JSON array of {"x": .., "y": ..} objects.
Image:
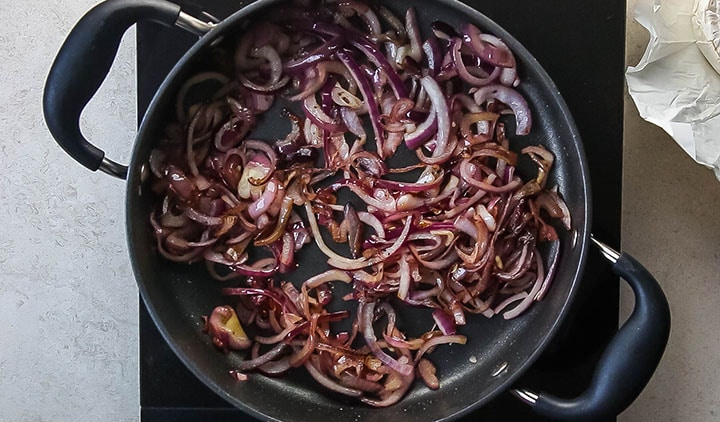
[
  {"x": 427, "y": 372},
  {"x": 311, "y": 366}
]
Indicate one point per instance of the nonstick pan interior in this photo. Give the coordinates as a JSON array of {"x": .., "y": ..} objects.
[{"x": 497, "y": 352}]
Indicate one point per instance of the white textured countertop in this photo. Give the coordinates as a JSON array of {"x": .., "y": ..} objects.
[{"x": 68, "y": 303}]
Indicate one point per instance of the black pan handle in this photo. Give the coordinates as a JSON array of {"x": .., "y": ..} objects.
[
  {"x": 630, "y": 359},
  {"x": 84, "y": 61}
]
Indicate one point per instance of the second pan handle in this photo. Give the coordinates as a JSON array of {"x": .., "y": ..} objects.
[
  {"x": 630, "y": 359},
  {"x": 84, "y": 61}
]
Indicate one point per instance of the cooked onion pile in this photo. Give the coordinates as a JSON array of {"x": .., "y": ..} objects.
[{"x": 457, "y": 235}]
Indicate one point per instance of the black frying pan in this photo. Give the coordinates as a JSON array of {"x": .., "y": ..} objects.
[{"x": 498, "y": 351}]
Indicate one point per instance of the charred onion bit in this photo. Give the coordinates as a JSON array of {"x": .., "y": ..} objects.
[{"x": 455, "y": 231}]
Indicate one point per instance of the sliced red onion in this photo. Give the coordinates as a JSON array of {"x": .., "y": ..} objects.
[
  {"x": 157, "y": 162},
  {"x": 550, "y": 272},
  {"x": 276, "y": 367},
  {"x": 527, "y": 301},
  {"x": 345, "y": 98},
  {"x": 269, "y": 356},
  {"x": 269, "y": 153},
  {"x": 371, "y": 51},
  {"x": 510, "y": 300},
  {"x": 411, "y": 187},
  {"x": 262, "y": 269},
  {"x": 466, "y": 226},
  {"x": 438, "y": 264},
  {"x": 312, "y": 367},
  {"x": 405, "y": 278},
  {"x": 327, "y": 276},
  {"x": 373, "y": 222},
  {"x": 337, "y": 260},
  {"x": 321, "y": 53},
  {"x": 552, "y": 203},
  {"x": 202, "y": 218},
  {"x": 444, "y": 339},
  {"x": 243, "y": 61},
  {"x": 276, "y": 79},
  {"x": 431, "y": 48},
  {"x": 268, "y": 88},
  {"x": 520, "y": 265},
  {"x": 463, "y": 73},
  {"x": 437, "y": 98},
  {"x": 263, "y": 203},
  {"x": 190, "y": 256},
  {"x": 394, "y": 396},
  {"x": 282, "y": 335},
  {"x": 487, "y": 47},
  {"x": 252, "y": 291},
  {"x": 366, "y": 316},
  {"x": 168, "y": 220},
  {"x": 365, "y": 13},
  {"x": 220, "y": 258},
  {"x": 354, "y": 230},
  {"x": 386, "y": 253},
  {"x": 424, "y": 131},
  {"x": 367, "y": 94},
  {"x": 313, "y": 79},
  {"x": 380, "y": 198},
  {"x": 444, "y": 31},
  {"x": 287, "y": 254},
  {"x": 487, "y": 217},
  {"x": 352, "y": 122},
  {"x": 467, "y": 175},
  {"x": 413, "y": 33},
  {"x": 190, "y": 83},
  {"x": 179, "y": 183},
  {"x": 512, "y": 99},
  {"x": 445, "y": 322},
  {"x": 509, "y": 77},
  {"x": 359, "y": 383},
  {"x": 314, "y": 112},
  {"x": 427, "y": 371},
  {"x": 393, "y": 21},
  {"x": 301, "y": 356}
]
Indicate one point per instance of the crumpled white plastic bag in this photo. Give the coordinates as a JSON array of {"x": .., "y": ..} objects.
[
  {"x": 674, "y": 86},
  {"x": 706, "y": 24}
]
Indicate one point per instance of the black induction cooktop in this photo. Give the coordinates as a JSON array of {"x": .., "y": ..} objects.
[{"x": 581, "y": 45}]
